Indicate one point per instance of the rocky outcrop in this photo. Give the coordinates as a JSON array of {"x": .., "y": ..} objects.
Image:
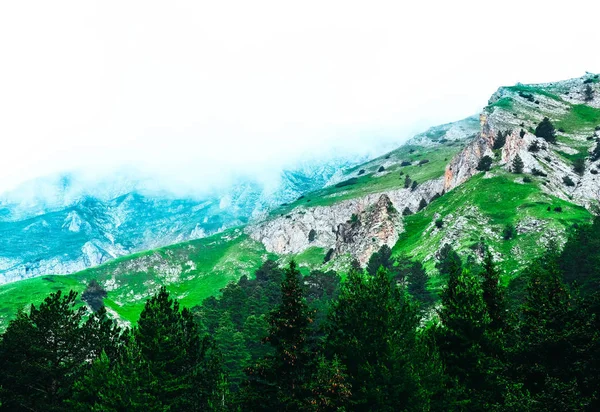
[
  {"x": 463, "y": 166},
  {"x": 377, "y": 221}
]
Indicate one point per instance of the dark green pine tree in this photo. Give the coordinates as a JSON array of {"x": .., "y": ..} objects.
[
  {"x": 280, "y": 381},
  {"x": 500, "y": 140},
  {"x": 493, "y": 295},
  {"x": 463, "y": 341},
  {"x": 372, "y": 330},
  {"x": 545, "y": 129},
  {"x": 41, "y": 355},
  {"x": 185, "y": 369},
  {"x": 109, "y": 385},
  {"x": 517, "y": 165},
  {"x": 381, "y": 258},
  {"x": 417, "y": 283},
  {"x": 552, "y": 353}
]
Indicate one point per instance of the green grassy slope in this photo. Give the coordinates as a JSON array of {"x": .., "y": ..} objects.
[{"x": 191, "y": 271}]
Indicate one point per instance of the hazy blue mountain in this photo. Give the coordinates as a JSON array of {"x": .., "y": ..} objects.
[{"x": 66, "y": 223}]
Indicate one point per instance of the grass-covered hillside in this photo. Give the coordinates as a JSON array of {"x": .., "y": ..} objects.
[
  {"x": 516, "y": 215},
  {"x": 192, "y": 271}
]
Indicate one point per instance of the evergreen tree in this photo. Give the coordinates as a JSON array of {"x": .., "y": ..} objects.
[
  {"x": 41, "y": 355},
  {"x": 280, "y": 382},
  {"x": 500, "y": 140},
  {"x": 372, "y": 330},
  {"x": 550, "y": 355},
  {"x": 417, "y": 283},
  {"x": 546, "y": 130},
  {"x": 493, "y": 295},
  {"x": 517, "y": 165},
  {"x": 588, "y": 93},
  {"x": 94, "y": 295},
  {"x": 381, "y": 258},
  {"x": 463, "y": 341},
  {"x": 185, "y": 369},
  {"x": 485, "y": 163},
  {"x": 422, "y": 205}
]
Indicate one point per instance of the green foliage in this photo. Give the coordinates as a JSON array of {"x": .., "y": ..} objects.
[
  {"x": 500, "y": 140},
  {"x": 422, "y": 205},
  {"x": 485, "y": 163},
  {"x": 377, "y": 356},
  {"x": 588, "y": 93},
  {"x": 545, "y": 129},
  {"x": 517, "y": 165},
  {"x": 579, "y": 166},
  {"x": 94, "y": 295},
  {"x": 509, "y": 232},
  {"x": 312, "y": 235},
  {"x": 184, "y": 369},
  {"x": 568, "y": 181}
]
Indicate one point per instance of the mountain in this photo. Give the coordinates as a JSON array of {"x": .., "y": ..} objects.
[
  {"x": 455, "y": 184},
  {"x": 67, "y": 223}
]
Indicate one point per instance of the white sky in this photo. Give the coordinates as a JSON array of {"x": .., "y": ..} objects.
[{"x": 196, "y": 90}]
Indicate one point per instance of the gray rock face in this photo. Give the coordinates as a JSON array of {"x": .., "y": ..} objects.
[
  {"x": 550, "y": 159},
  {"x": 378, "y": 222}
]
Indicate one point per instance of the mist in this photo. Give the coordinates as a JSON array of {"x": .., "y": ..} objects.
[{"x": 192, "y": 95}]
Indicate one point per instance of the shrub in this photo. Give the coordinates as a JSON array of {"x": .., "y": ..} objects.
[
  {"x": 422, "y": 204},
  {"x": 534, "y": 147},
  {"x": 406, "y": 212},
  {"x": 361, "y": 172},
  {"x": 422, "y": 162},
  {"x": 439, "y": 223},
  {"x": 349, "y": 182},
  {"x": 568, "y": 181},
  {"x": 593, "y": 171},
  {"x": 579, "y": 166},
  {"x": 353, "y": 219},
  {"x": 562, "y": 130},
  {"x": 522, "y": 133},
  {"x": 407, "y": 182},
  {"x": 312, "y": 235},
  {"x": 405, "y": 163},
  {"x": 546, "y": 130},
  {"x": 485, "y": 164},
  {"x": 537, "y": 172},
  {"x": 595, "y": 154},
  {"x": 527, "y": 179},
  {"x": 558, "y": 209},
  {"x": 508, "y": 232},
  {"x": 381, "y": 169},
  {"x": 414, "y": 185},
  {"x": 328, "y": 256},
  {"x": 517, "y": 165}
]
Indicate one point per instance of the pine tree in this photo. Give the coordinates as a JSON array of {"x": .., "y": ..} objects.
[
  {"x": 185, "y": 369},
  {"x": 493, "y": 295},
  {"x": 422, "y": 205},
  {"x": 372, "y": 330},
  {"x": 417, "y": 283},
  {"x": 588, "y": 93},
  {"x": 463, "y": 339},
  {"x": 546, "y": 130},
  {"x": 280, "y": 382},
  {"x": 500, "y": 140},
  {"x": 517, "y": 165},
  {"x": 41, "y": 355},
  {"x": 549, "y": 354},
  {"x": 485, "y": 163}
]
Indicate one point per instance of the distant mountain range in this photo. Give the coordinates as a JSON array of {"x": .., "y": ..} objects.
[{"x": 66, "y": 223}]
